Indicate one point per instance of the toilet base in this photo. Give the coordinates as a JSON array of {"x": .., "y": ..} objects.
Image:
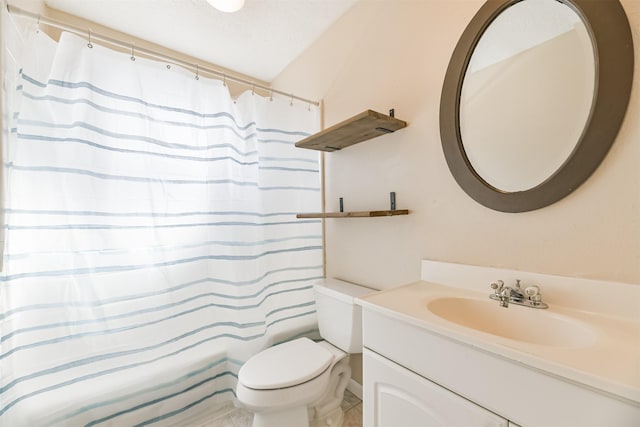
[
  {"x": 297, "y": 416},
  {"x": 333, "y": 419},
  {"x": 327, "y": 410}
]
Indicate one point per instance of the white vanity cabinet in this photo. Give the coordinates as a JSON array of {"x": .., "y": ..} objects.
[
  {"x": 439, "y": 349},
  {"x": 397, "y": 397},
  {"x": 416, "y": 377}
]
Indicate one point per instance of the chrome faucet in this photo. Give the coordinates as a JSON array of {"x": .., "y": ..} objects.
[
  {"x": 505, "y": 294},
  {"x": 501, "y": 293}
]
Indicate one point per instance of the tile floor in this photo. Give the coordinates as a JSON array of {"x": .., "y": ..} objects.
[{"x": 351, "y": 405}]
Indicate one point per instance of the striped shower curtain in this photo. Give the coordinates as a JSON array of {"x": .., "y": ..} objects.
[{"x": 151, "y": 239}]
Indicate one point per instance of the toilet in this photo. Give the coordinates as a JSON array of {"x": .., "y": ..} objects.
[{"x": 301, "y": 383}]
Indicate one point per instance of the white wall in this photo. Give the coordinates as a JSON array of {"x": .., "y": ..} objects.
[{"x": 393, "y": 54}]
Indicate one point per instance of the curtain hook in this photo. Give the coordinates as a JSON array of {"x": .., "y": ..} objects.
[
  {"x": 271, "y": 96},
  {"x": 197, "y": 72},
  {"x": 224, "y": 80},
  {"x": 253, "y": 88},
  {"x": 291, "y": 102},
  {"x": 133, "y": 56},
  {"x": 90, "y": 45},
  {"x": 309, "y": 106}
]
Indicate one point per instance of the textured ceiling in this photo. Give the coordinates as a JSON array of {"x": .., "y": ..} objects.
[{"x": 260, "y": 40}]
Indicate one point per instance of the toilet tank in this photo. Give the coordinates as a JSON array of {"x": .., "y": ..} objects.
[{"x": 339, "y": 319}]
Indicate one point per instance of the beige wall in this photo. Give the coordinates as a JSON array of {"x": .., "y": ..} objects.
[
  {"x": 385, "y": 54},
  {"x": 33, "y": 6}
]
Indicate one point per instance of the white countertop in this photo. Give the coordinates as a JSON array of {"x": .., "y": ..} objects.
[{"x": 610, "y": 364}]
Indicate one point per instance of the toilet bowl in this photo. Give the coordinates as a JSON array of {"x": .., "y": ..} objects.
[{"x": 301, "y": 383}]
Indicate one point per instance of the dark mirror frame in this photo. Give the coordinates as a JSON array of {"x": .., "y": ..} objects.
[{"x": 610, "y": 34}]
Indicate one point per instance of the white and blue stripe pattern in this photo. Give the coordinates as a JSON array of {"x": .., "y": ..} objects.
[{"x": 151, "y": 239}]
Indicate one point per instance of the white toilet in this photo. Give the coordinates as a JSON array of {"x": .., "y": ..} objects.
[{"x": 301, "y": 383}]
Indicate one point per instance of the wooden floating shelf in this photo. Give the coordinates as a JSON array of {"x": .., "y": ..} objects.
[
  {"x": 362, "y": 127},
  {"x": 362, "y": 214}
]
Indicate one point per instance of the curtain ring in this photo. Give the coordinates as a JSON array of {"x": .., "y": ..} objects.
[
  {"x": 197, "y": 72},
  {"x": 90, "y": 45},
  {"x": 133, "y": 56}
]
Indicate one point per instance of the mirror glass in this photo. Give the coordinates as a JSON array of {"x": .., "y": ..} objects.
[{"x": 527, "y": 94}]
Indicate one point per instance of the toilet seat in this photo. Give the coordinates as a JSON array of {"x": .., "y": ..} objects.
[
  {"x": 285, "y": 365},
  {"x": 283, "y": 398},
  {"x": 288, "y": 375}
]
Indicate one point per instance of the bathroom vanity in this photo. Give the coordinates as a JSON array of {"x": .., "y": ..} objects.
[{"x": 441, "y": 352}]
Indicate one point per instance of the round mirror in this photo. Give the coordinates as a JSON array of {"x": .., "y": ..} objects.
[
  {"x": 533, "y": 98},
  {"x": 527, "y": 94}
]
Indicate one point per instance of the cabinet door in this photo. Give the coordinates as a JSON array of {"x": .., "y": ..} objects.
[{"x": 397, "y": 397}]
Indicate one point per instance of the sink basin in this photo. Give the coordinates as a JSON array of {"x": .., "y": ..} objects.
[{"x": 536, "y": 326}]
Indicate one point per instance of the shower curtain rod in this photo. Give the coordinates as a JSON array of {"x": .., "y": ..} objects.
[{"x": 147, "y": 52}]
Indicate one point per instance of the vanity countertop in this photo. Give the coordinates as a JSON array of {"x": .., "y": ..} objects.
[{"x": 610, "y": 363}]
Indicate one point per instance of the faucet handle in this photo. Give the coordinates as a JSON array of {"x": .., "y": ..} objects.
[
  {"x": 532, "y": 291},
  {"x": 497, "y": 286},
  {"x": 533, "y": 294}
]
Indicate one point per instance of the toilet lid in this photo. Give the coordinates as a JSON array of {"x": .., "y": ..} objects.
[{"x": 285, "y": 365}]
